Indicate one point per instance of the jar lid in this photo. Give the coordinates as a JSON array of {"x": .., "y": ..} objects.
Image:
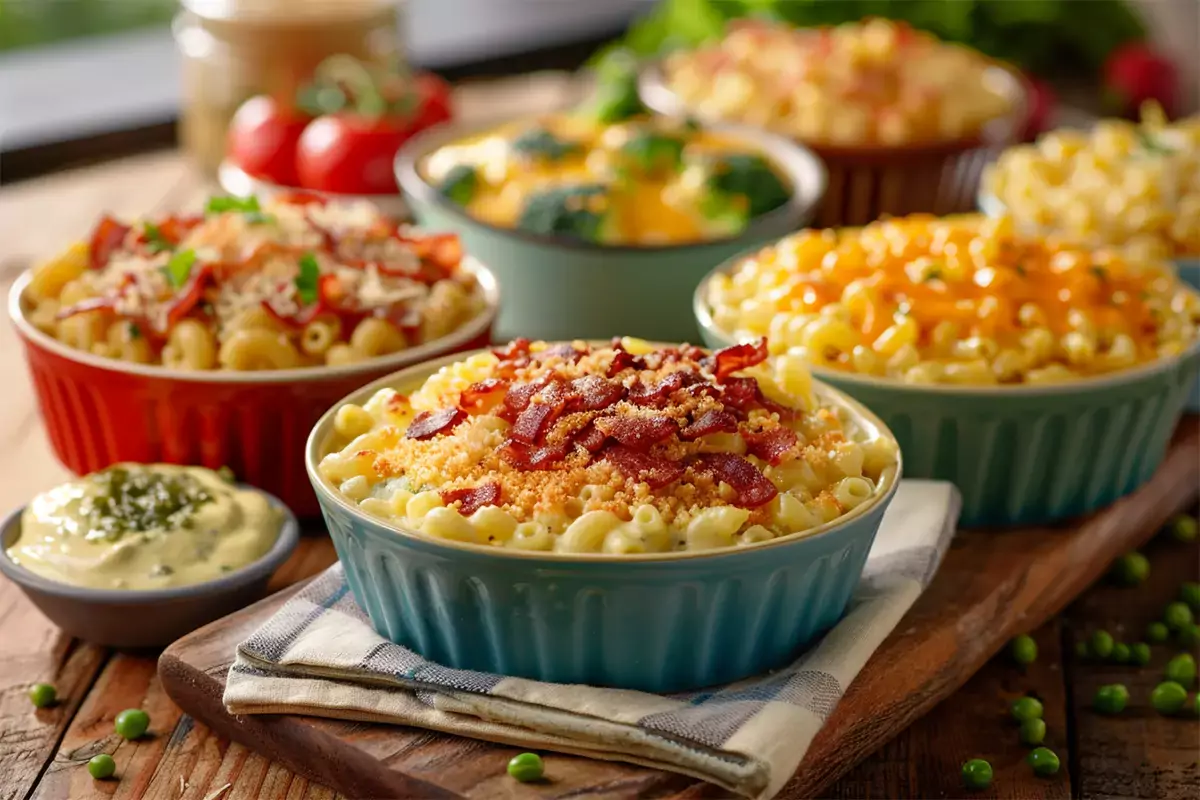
[{"x": 291, "y": 11}]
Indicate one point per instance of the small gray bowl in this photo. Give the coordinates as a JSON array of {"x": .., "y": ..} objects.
[{"x": 131, "y": 618}]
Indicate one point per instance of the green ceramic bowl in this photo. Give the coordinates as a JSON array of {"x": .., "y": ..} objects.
[
  {"x": 562, "y": 289},
  {"x": 1022, "y": 455}
]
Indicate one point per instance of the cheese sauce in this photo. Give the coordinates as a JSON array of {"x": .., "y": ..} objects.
[{"x": 135, "y": 526}]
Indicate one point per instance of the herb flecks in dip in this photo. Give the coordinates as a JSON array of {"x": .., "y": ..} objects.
[
  {"x": 135, "y": 526},
  {"x": 641, "y": 181}
]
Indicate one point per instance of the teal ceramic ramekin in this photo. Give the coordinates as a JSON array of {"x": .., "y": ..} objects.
[
  {"x": 654, "y": 622},
  {"x": 562, "y": 288},
  {"x": 1022, "y": 455}
]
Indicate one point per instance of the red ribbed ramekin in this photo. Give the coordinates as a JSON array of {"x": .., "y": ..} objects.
[{"x": 100, "y": 411}]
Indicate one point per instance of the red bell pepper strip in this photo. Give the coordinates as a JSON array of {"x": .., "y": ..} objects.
[{"x": 108, "y": 236}]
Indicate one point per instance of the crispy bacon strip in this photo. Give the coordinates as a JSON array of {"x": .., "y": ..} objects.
[
  {"x": 563, "y": 350},
  {"x": 517, "y": 348},
  {"x": 752, "y": 487},
  {"x": 638, "y": 433},
  {"x": 729, "y": 360},
  {"x": 474, "y": 498},
  {"x": 712, "y": 421},
  {"x": 770, "y": 445},
  {"x": 107, "y": 237},
  {"x": 544, "y": 407},
  {"x": 658, "y": 393},
  {"x": 654, "y": 470},
  {"x": 593, "y": 393},
  {"x": 528, "y": 458},
  {"x": 590, "y": 438},
  {"x": 190, "y": 296},
  {"x": 481, "y": 395},
  {"x": 428, "y": 424}
]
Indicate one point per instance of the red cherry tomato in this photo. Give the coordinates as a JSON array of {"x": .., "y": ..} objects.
[
  {"x": 1134, "y": 73},
  {"x": 350, "y": 155},
  {"x": 262, "y": 139},
  {"x": 434, "y": 101}
]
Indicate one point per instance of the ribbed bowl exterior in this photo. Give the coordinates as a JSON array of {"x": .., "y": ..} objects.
[
  {"x": 1189, "y": 273},
  {"x": 1021, "y": 458},
  {"x": 657, "y": 626}
]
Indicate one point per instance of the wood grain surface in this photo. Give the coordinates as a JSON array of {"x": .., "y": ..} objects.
[{"x": 991, "y": 586}]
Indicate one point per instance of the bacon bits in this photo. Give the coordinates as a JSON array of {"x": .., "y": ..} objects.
[
  {"x": 545, "y": 407},
  {"x": 517, "y": 398},
  {"x": 729, "y": 360},
  {"x": 658, "y": 393},
  {"x": 517, "y": 348},
  {"x": 590, "y": 438},
  {"x": 637, "y": 433},
  {"x": 741, "y": 393},
  {"x": 428, "y": 424},
  {"x": 751, "y": 486},
  {"x": 108, "y": 236},
  {"x": 715, "y": 421},
  {"x": 593, "y": 393},
  {"x": 479, "y": 396},
  {"x": 772, "y": 444},
  {"x": 474, "y": 498},
  {"x": 624, "y": 360},
  {"x": 526, "y": 458},
  {"x": 654, "y": 470},
  {"x": 563, "y": 350}
]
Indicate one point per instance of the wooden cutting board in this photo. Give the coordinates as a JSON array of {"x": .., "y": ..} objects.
[{"x": 991, "y": 586}]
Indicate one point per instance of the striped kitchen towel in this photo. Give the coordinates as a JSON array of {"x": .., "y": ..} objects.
[{"x": 319, "y": 655}]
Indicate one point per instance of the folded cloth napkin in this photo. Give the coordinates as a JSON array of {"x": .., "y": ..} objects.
[{"x": 319, "y": 655}]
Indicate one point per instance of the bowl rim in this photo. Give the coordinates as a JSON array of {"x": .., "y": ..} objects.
[
  {"x": 261, "y": 568},
  {"x": 999, "y": 131},
  {"x": 805, "y": 171},
  {"x": 467, "y": 332},
  {"x": 701, "y": 310},
  {"x": 326, "y": 493},
  {"x": 236, "y": 181}
]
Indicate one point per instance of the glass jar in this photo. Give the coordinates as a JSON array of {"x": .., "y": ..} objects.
[{"x": 235, "y": 49}]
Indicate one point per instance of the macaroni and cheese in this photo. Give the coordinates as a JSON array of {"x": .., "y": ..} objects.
[
  {"x": 955, "y": 300},
  {"x": 864, "y": 83},
  {"x": 294, "y": 283},
  {"x": 1121, "y": 183},
  {"x": 618, "y": 449},
  {"x": 642, "y": 181}
]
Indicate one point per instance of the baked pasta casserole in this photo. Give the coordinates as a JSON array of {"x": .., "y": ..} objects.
[
  {"x": 295, "y": 282},
  {"x": 875, "y": 82},
  {"x": 618, "y": 449},
  {"x": 961, "y": 300},
  {"x": 1123, "y": 183}
]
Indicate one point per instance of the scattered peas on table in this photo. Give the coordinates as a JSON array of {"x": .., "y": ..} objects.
[
  {"x": 1082, "y": 651},
  {"x": 1189, "y": 635},
  {"x": 977, "y": 774},
  {"x": 1189, "y": 592},
  {"x": 1184, "y": 528},
  {"x": 1157, "y": 632},
  {"x": 1139, "y": 653},
  {"x": 1044, "y": 761},
  {"x": 1177, "y": 615},
  {"x": 1131, "y": 569},
  {"x": 1168, "y": 697},
  {"x": 101, "y": 766},
  {"x": 526, "y": 767},
  {"x": 1026, "y": 708},
  {"x": 1024, "y": 650},
  {"x": 1102, "y": 644},
  {"x": 1033, "y": 731},
  {"x": 1121, "y": 653},
  {"x": 43, "y": 695},
  {"x": 1182, "y": 669},
  {"x": 1111, "y": 699},
  {"x": 132, "y": 723}
]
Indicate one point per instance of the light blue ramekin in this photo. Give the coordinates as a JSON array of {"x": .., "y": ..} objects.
[
  {"x": 1022, "y": 455},
  {"x": 558, "y": 288},
  {"x": 655, "y": 622}
]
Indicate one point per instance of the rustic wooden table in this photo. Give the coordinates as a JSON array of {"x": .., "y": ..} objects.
[{"x": 42, "y": 753}]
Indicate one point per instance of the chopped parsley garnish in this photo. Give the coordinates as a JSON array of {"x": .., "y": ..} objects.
[
  {"x": 135, "y": 332},
  {"x": 308, "y": 279},
  {"x": 1152, "y": 145},
  {"x": 179, "y": 268},
  {"x": 1021, "y": 270},
  {"x": 156, "y": 242},
  {"x": 131, "y": 500},
  {"x": 1100, "y": 273},
  {"x": 934, "y": 275},
  {"x": 246, "y": 205},
  {"x": 258, "y": 217}
]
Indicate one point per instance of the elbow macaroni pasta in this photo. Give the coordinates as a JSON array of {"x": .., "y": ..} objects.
[
  {"x": 586, "y": 504},
  {"x": 961, "y": 300}
]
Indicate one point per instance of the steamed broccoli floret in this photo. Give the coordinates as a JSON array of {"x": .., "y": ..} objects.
[
  {"x": 459, "y": 184},
  {"x": 579, "y": 211},
  {"x": 649, "y": 152},
  {"x": 749, "y": 176},
  {"x": 541, "y": 143}
]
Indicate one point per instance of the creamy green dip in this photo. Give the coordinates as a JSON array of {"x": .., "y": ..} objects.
[{"x": 136, "y": 526}]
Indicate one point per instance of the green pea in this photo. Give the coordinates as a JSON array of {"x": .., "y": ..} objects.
[
  {"x": 1082, "y": 651},
  {"x": 1120, "y": 653},
  {"x": 1189, "y": 592},
  {"x": 1102, "y": 644},
  {"x": 1024, "y": 650},
  {"x": 1111, "y": 699},
  {"x": 1189, "y": 635},
  {"x": 1182, "y": 669},
  {"x": 526, "y": 767},
  {"x": 43, "y": 695},
  {"x": 132, "y": 723},
  {"x": 1157, "y": 633},
  {"x": 977, "y": 774},
  {"x": 1139, "y": 653},
  {"x": 1044, "y": 761},
  {"x": 1033, "y": 731},
  {"x": 1177, "y": 615},
  {"x": 1024, "y": 708},
  {"x": 1168, "y": 697},
  {"x": 101, "y": 766},
  {"x": 1131, "y": 569},
  {"x": 1183, "y": 528}
]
